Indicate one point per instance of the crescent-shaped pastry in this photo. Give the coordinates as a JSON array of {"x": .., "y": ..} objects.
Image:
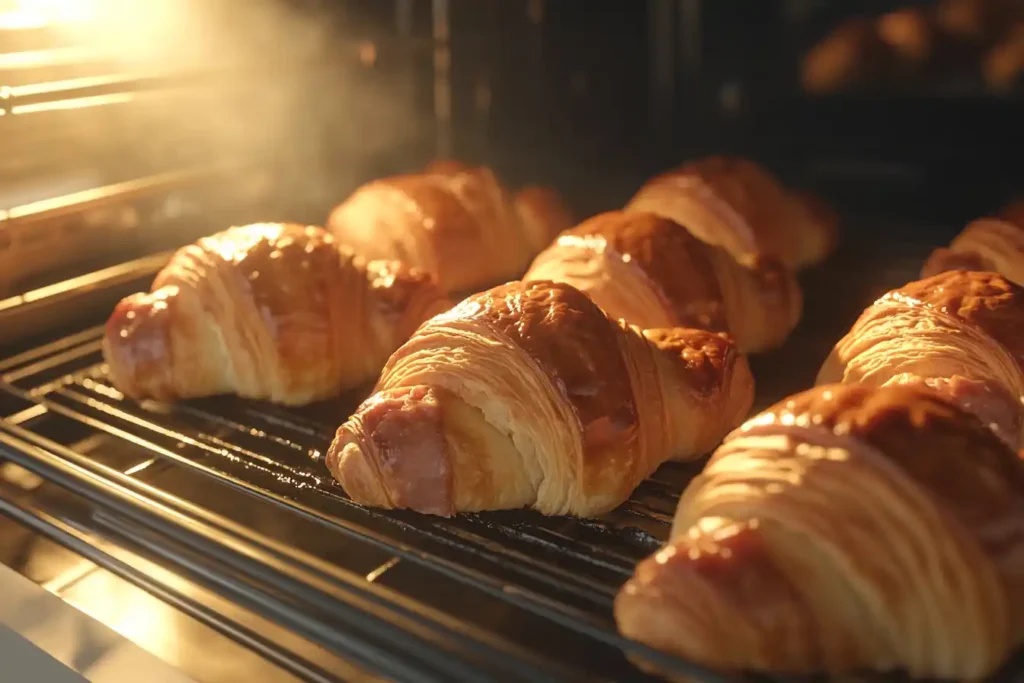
[
  {"x": 653, "y": 273},
  {"x": 985, "y": 244},
  {"x": 911, "y": 36},
  {"x": 737, "y": 205},
  {"x": 457, "y": 223},
  {"x": 528, "y": 395},
  {"x": 848, "y": 528},
  {"x": 853, "y": 55},
  {"x": 960, "y": 333},
  {"x": 267, "y": 311}
]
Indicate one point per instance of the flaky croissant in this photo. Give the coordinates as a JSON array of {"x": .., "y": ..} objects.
[
  {"x": 985, "y": 244},
  {"x": 455, "y": 222},
  {"x": 995, "y": 244},
  {"x": 854, "y": 55},
  {"x": 653, "y": 273},
  {"x": 265, "y": 311},
  {"x": 960, "y": 333},
  {"x": 737, "y": 205},
  {"x": 848, "y": 528},
  {"x": 528, "y": 395}
]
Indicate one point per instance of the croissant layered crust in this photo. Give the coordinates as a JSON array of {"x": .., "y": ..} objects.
[
  {"x": 528, "y": 395},
  {"x": 653, "y": 273},
  {"x": 960, "y": 333},
  {"x": 737, "y": 205},
  {"x": 848, "y": 528},
  {"x": 456, "y": 222},
  {"x": 995, "y": 244},
  {"x": 265, "y": 311}
]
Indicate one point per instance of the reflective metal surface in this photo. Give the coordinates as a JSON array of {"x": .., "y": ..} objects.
[{"x": 110, "y": 629}]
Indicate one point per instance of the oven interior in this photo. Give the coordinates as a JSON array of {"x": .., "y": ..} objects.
[{"x": 209, "y": 532}]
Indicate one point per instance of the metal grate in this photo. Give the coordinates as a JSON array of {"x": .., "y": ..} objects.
[
  {"x": 520, "y": 576},
  {"x": 235, "y": 491}
]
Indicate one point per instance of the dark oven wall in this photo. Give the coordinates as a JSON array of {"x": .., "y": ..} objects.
[{"x": 599, "y": 94}]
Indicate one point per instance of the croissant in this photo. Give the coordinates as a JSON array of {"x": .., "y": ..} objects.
[
  {"x": 455, "y": 222},
  {"x": 653, "y": 273},
  {"x": 737, "y": 205},
  {"x": 995, "y": 244},
  {"x": 847, "y": 528},
  {"x": 960, "y": 333},
  {"x": 855, "y": 54},
  {"x": 528, "y": 395},
  {"x": 911, "y": 36},
  {"x": 1003, "y": 65},
  {"x": 265, "y": 311}
]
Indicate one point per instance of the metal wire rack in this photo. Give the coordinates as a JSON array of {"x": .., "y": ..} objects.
[{"x": 241, "y": 466}]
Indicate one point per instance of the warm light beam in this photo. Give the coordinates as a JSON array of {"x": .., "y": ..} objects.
[{"x": 25, "y": 14}]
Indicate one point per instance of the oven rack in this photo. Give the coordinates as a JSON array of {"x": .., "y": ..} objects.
[{"x": 143, "y": 461}]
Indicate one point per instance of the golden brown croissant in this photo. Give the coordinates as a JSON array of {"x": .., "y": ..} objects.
[
  {"x": 653, "y": 273},
  {"x": 455, "y": 222},
  {"x": 268, "y": 311},
  {"x": 1003, "y": 65},
  {"x": 911, "y": 36},
  {"x": 985, "y": 244},
  {"x": 848, "y": 528},
  {"x": 960, "y": 333},
  {"x": 528, "y": 395},
  {"x": 995, "y": 244},
  {"x": 855, "y": 54},
  {"x": 737, "y": 205}
]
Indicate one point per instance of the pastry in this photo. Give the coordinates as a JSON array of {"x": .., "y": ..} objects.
[
  {"x": 653, "y": 273},
  {"x": 737, "y": 205},
  {"x": 849, "y": 528},
  {"x": 528, "y": 395},
  {"x": 457, "y": 223},
  {"x": 266, "y": 311},
  {"x": 960, "y": 333}
]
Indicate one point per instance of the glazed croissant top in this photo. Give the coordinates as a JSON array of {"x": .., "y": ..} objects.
[
  {"x": 455, "y": 222},
  {"x": 528, "y": 395},
  {"x": 653, "y": 273},
  {"x": 271, "y": 311},
  {"x": 995, "y": 244},
  {"x": 847, "y": 528},
  {"x": 960, "y": 333},
  {"x": 737, "y": 205}
]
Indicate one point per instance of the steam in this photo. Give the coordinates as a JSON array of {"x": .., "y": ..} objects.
[{"x": 298, "y": 88}]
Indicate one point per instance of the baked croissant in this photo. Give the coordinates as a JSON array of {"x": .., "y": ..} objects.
[
  {"x": 265, "y": 311},
  {"x": 985, "y": 244},
  {"x": 527, "y": 395},
  {"x": 737, "y": 205},
  {"x": 455, "y": 222},
  {"x": 960, "y": 333},
  {"x": 854, "y": 55},
  {"x": 848, "y": 528},
  {"x": 653, "y": 273},
  {"x": 995, "y": 244}
]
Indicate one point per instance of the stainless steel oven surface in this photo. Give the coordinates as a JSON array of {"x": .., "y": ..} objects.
[{"x": 205, "y": 539}]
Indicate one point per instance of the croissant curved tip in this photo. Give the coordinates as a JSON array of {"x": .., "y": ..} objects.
[
  {"x": 393, "y": 454},
  {"x": 136, "y": 341},
  {"x": 349, "y": 464}
]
